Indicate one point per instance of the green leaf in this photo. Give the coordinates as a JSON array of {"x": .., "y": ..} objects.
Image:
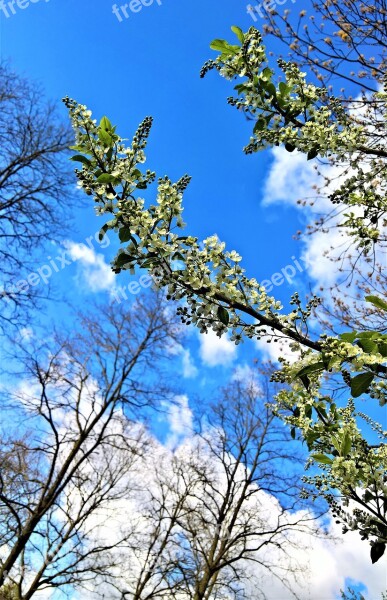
[
  {"x": 349, "y": 337},
  {"x": 124, "y": 234},
  {"x": 284, "y": 88},
  {"x": 368, "y": 335},
  {"x": 319, "y": 366},
  {"x": 336, "y": 444},
  {"x": 289, "y": 147},
  {"x": 293, "y": 433},
  {"x": 122, "y": 259},
  {"x": 382, "y": 346},
  {"x": 105, "y": 124},
  {"x": 260, "y": 125},
  {"x": 322, "y": 458},
  {"x": 218, "y": 45},
  {"x": 271, "y": 89},
  {"x": 223, "y": 315},
  {"x": 106, "y": 178},
  {"x": 224, "y": 47},
  {"x": 361, "y": 383},
  {"x": 241, "y": 87},
  {"x": 266, "y": 74},
  {"x": 81, "y": 159},
  {"x": 311, "y": 438},
  {"x": 377, "y": 551},
  {"x": 105, "y": 138},
  {"x": 368, "y": 497},
  {"x": 306, "y": 382},
  {"x": 333, "y": 363},
  {"x": 368, "y": 346},
  {"x": 320, "y": 409},
  {"x": 103, "y": 231},
  {"x": 378, "y": 302},
  {"x": 239, "y": 33},
  {"x": 148, "y": 263},
  {"x": 308, "y": 412},
  {"x": 82, "y": 149},
  {"x": 312, "y": 154},
  {"x": 346, "y": 444}
]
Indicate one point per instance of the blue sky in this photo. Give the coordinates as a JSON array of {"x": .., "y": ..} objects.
[{"x": 148, "y": 64}]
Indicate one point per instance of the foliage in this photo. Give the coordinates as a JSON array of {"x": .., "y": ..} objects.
[
  {"x": 304, "y": 117},
  {"x": 215, "y": 288},
  {"x": 343, "y": 46}
]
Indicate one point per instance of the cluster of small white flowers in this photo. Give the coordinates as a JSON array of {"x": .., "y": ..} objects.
[
  {"x": 218, "y": 295},
  {"x": 212, "y": 278},
  {"x": 300, "y": 120},
  {"x": 235, "y": 63},
  {"x": 303, "y": 116},
  {"x": 339, "y": 351}
]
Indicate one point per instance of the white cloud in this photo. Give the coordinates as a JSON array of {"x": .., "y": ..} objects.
[
  {"x": 189, "y": 368},
  {"x": 291, "y": 177},
  {"x": 327, "y": 566},
  {"x": 93, "y": 270},
  {"x": 319, "y": 251},
  {"x": 26, "y": 333},
  {"x": 215, "y": 351},
  {"x": 273, "y": 350},
  {"x": 180, "y": 421},
  {"x": 324, "y": 563},
  {"x": 248, "y": 376}
]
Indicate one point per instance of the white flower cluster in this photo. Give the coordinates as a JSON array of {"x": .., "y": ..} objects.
[
  {"x": 305, "y": 117},
  {"x": 210, "y": 281},
  {"x": 218, "y": 295}
]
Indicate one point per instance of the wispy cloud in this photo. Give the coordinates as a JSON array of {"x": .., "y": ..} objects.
[
  {"x": 215, "y": 351},
  {"x": 180, "y": 420},
  {"x": 93, "y": 272},
  {"x": 189, "y": 368}
]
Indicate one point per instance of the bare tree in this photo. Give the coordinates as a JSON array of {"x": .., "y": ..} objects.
[
  {"x": 236, "y": 525},
  {"x": 224, "y": 500},
  {"x": 35, "y": 186},
  {"x": 340, "y": 42},
  {"x": 155, "y": 556},
  {"x": 76, "y": 406},
  {"x": 344, "y": 45}
]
